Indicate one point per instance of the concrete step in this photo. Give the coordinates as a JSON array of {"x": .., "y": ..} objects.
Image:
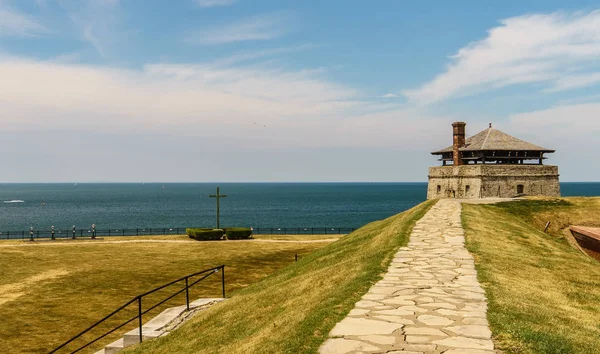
[
  {"x": 114, "y": 347},
  {"x": 156, "y": 326}
]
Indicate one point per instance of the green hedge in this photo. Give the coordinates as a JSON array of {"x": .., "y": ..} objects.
[
  {"x": 238, "y": 233},
  {"x": 205, "y": 234}
]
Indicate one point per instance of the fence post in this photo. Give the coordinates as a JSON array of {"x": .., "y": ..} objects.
[
  {"x": 223, "y": 279},
  {"x": 108, "y": 232},
  {"x": 187, "y": 294},
  {"x": 140, "y": 315}
]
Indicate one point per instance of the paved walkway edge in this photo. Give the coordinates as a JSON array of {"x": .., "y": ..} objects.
[{"x": 429, "y": 301}]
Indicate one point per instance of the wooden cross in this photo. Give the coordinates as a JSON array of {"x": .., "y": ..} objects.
[{"x": 218, "y": 196}]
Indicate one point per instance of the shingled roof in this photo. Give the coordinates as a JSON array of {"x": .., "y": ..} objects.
[{"x": 493, "y": 139}]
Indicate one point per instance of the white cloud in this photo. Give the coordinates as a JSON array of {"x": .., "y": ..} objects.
[
  {"x": 524, "y": 49},
  {"x": 575, "y": 81},
  {"x": 252, "y": 29},
  {"x": 214, "y": 3},
  {"x": 15, "y": 23},
  {"x": 572, "y": 130},
  {"x": 390, "y": 95},
  {"x": 562, "y": 123},
  {"x": 270, "y": 108}
]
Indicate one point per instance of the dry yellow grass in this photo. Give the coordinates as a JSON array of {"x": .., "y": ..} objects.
[
  {"x": 543, "y": 294},
  {"x": 298, "y": 237},
  {"x": 51, "y": 291}
]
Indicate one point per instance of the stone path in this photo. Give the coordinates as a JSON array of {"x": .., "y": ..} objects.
[{"x": 429, "y": 301}]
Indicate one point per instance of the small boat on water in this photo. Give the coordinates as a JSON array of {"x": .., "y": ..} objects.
[{"x": 588, "y": 238}]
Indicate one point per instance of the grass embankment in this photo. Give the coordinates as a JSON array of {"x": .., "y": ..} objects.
[
  {"x": 293, "y": 310},
  {"x": 49, "y": 291},
  {"x": 543, "y": 294}
]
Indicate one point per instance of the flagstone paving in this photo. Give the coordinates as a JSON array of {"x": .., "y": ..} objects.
[{"x": 429, "y": 301}]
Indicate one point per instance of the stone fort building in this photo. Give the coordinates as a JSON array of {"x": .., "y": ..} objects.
[{"x": 491, "y": 164}]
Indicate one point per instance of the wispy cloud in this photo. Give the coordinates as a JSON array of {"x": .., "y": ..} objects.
[
  {"x": 17, "y": 24},
  {"x": 525, "y": 49},
  {"x": 569, "y": 82},
  {"x": 97, "y": 21},
  {"x": 243, "y": 57},
  {"x": 257, "y": 28},
  {"x": 215, "y": 3}
]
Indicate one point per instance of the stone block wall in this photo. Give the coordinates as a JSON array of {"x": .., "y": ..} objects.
[{"x": 485, "y": 181}]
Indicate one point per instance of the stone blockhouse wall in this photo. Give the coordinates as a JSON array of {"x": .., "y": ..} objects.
[{"x": 483, "y": 181}]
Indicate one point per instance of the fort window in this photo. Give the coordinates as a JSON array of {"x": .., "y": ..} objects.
[
  {"x": 439, "y": 188},
  {"x": 467, "y": 188},
  {"x": 520, "y": 189}
]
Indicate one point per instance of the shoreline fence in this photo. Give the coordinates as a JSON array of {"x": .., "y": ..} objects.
[{"x": 156, "y": 231}]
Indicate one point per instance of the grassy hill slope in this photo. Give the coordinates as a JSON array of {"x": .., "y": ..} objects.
[
  {"x": 543, "y": 294},
  {"x": 293, "y": 310}
]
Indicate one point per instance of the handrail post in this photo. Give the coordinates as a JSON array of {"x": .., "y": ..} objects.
[
  {"x": 140, "y": 315},
  {"x": 223, "y": 279},
  {"x": 187, "y": 294}
]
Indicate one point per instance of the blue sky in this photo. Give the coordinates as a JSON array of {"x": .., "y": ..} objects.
[{"x": 239, "y": 90}]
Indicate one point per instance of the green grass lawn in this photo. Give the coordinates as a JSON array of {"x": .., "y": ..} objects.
[
  {"x": 543, "y": 294},
  {"x": 51, "y": 291},
  {"x": 293, "y": 310}
]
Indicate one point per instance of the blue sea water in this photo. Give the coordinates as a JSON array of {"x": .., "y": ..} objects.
[{"x": 156, "y": 205}]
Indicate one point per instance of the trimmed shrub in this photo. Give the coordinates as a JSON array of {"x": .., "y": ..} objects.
[
  {"x": 238, "y": 233},
  {"x": 191, "y": 232},
  {"x": 205, "y": 234}
]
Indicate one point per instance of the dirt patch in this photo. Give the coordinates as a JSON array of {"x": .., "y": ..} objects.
[{"x": 13, "y": 291}]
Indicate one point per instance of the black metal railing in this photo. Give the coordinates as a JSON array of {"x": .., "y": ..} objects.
[
  {"x": 79, "y": 233},
  {"x": 85, "y": 233},
  {"x": 140, "y": 312}
]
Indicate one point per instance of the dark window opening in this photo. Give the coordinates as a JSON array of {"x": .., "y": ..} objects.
[
  {"x": 520, "y": 189},
  {"x": 439, "y": 188},
  {"x": 467, "y": 189}
]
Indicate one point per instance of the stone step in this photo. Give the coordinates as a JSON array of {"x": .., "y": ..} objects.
[
  {"x": 114, "y": 347},
  {"x": 156, "y": 326}
]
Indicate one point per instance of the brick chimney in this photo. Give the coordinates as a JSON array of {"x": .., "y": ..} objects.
[{"x": 458, "y": 139}]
